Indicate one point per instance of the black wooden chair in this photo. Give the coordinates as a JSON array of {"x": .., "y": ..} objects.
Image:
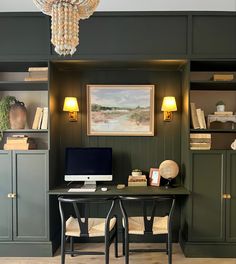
[
  {"x": 79, "y": 224},
  {"x": 148, "y": 222}
]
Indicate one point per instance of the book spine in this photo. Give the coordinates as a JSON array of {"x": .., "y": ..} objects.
[
  {"x": 45, "y": 118},
  {"x": 194, "y": 118},
  {"x": 199, "y": 117},
  {"x": 37, "y": 118}
]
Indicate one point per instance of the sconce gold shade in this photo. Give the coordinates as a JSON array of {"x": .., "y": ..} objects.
[
  {"x": 71, "y": 106},
  {"x": 168, "y": 106}
]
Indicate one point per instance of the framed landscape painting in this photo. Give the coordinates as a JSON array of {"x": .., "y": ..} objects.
[{"x": 120, "y": 110}]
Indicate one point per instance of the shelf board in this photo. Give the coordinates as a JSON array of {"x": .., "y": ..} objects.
[
  {"x": 23, "y": 86},
  {"x": 212, "y": 130},
  {"x": 26, "y": 131},
  {"x": 213, "y": 85}
]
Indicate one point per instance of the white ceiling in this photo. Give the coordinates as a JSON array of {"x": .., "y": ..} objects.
[{"x": 134, "y": 5}]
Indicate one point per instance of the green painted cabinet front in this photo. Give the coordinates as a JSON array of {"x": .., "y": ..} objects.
[
  {"x": 208, "y": 210},
  {"x": 5, "y": 202},
  {"x": 30, "y": 174},
  {"x": 231, "y": 202}
]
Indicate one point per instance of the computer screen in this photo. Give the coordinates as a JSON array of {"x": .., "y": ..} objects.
[{"x": 88, "y": 164}]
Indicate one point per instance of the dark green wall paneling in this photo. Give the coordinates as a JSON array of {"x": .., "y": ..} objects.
[
  {"x": 214, "y": 36},
  {"x": 133, "y": 35},
  {"x": 128, "y": 152},
  {"x": 25, "y": 35},
  {"x": 5, "y": 202}
]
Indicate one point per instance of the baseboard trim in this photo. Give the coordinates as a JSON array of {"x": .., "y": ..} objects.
[
  {"x": 26, "y": 249},
  {"x": 208, "y": 250}
]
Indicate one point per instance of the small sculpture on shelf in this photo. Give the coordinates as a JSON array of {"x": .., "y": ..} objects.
[
  {"x": 233, "y": 145},
  {"x": 220, "y": 106}
]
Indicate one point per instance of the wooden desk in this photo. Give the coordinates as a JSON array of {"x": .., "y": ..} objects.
[{"x": 127, "y": 191}]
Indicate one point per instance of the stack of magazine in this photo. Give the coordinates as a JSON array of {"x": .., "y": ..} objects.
[{"x": 200, "y": 141}]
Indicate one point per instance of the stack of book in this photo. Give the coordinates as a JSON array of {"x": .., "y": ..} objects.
[
  {"x": 137, "y": 180},
  {"x": 197, "y": 117},
  {"x": 38, "y": 74},
  {"x": 41, "y": 118},
  {"x": 19, "y": 142},
  {"x": 200, "y": 141}
]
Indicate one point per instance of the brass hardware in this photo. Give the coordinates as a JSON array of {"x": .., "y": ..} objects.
[
  {"x": 11, "y": 195},
  {"x": 228, "y": 196},
  {"x": 224, "y": 196}
]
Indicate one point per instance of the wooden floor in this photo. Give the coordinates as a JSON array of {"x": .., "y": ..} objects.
[{"x": 135, "y": 258}]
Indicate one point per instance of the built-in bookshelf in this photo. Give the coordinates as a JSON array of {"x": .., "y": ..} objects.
[
  {"x": 17, "y": 81},
  {"x": 205, "y": 91}
]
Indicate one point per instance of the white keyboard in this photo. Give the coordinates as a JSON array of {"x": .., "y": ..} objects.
[{"x": 84, "y": 188}]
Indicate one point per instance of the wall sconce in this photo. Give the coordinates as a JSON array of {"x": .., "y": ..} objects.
[
  {"x": 71, "y": 106},
  {"x": 168, "y": 106}
]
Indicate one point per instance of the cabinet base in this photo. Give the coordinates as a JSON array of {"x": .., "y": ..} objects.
[
  {"x": 26, "y": 249},
  {"x": 208, "y": 250}
]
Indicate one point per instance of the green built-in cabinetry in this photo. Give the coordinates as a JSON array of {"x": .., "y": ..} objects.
[
  {"x": 209, "y": 214},
  {"x": 24, "y": 203}
]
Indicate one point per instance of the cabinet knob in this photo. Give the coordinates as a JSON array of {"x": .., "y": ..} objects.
[
  {"x": 228, "y": 196},
  {"x": 11, "y": 195},
  {"x": 224, "y": 196}
]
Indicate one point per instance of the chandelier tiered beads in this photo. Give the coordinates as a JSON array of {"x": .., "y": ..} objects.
[{"x": 65, "y": 21}]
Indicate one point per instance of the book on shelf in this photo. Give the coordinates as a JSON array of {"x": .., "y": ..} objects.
[
  {"x": 201, "y": 118},
  {"x": 200, "y": 148},
  {"x": 223, "y": 77},
  {"x": 194, "y": 118},
  {"x": 200, "y": 141},
  {"x": 200, "y": 135},
  {"x": 44, "y": 124},
  {"x": 200, "y": 144},
  {"x": 19, "y": 143},
  {"x": 40, "y": 118},
  {"x": 229, "y": 113},
  {"x": 37, "y": 74}
]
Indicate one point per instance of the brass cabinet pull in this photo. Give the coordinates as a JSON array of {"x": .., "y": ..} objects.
[
  {"x": 228, "y": 196},
  {"x": 11, "y": 195},
  {"x": 224, "y": 196}
]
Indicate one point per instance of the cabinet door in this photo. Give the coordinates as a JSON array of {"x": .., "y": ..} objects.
[
  {"x": 231, "y": 203},
  {"x": 30, "y": 183},
  {"x": 5, "y": 202},
  {"x": 208, "y": 207}
]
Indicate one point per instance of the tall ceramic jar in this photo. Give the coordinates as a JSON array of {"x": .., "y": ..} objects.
[{"x": 18, "y": 115}]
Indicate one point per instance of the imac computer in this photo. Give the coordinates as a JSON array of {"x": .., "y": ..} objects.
[{"x": 88, "y": 165}]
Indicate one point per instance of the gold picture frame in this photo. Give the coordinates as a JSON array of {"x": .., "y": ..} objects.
[{"x": 120, "y": 110}]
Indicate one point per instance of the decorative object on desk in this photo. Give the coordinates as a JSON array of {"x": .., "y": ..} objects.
[
  {"x": 136, "y": 172},
  {"x": 5, "y": 105},
  {"x": 168, "y": 106},
  {"x": 137, "y": 180},
  {"x": 200, "y": 141},
  {"x": 120, "y": 186},
  {"x": 19, "y": 142},
  {"x": 65, "y": 21},
  {"x": 233, "y": 145},
  {"x": 154, "y": 177},
  {"x": 223, "y": 77},
  {"x": 220, "y": 106},
  {"x": 169, "y": 170},
  {"x": 18, "y": 115},
  {"x": 71, "y": 106},
  {"x": 120, "y": 110}
]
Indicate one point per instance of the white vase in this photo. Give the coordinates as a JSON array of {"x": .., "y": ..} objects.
[{"x": 220, "y": 108}]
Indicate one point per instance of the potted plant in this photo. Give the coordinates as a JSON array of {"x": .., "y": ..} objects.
[
  {"x": 220, "y": 106},
  {"x": 5, "y": 105}
]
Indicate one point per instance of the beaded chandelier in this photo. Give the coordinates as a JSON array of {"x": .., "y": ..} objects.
[{"x": 65, "y": 21}]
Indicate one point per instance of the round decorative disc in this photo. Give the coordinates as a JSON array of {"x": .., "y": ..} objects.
[{"x": 169, "y": 169}]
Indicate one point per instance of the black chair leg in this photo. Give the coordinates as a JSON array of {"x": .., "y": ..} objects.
[
  {"x": 116, "y": 241},
  {"x": 71, "y": 246},
  {"x": 107, "y": 248},
  {"x": 126, "y": 247},
  {"x": 62, "y": 249},
  {"x": 169, "y": 249},
  {"x": 123, "y": 241},
  {"x": 166, "y": 248}
]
